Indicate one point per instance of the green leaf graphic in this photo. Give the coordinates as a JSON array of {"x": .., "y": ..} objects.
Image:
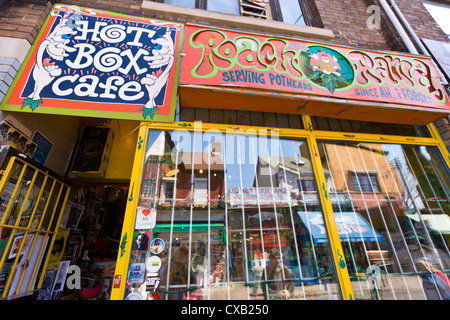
[
  {"x": 329, "y": 82},
  {"x": 315, "y": 75}
]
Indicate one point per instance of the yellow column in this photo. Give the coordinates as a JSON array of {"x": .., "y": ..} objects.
[
  {"x": 330, "y": 222},
  {"x": 126, "y": 238}
]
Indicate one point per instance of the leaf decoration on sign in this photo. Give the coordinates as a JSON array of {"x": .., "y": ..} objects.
[{"x": 329, "y": 82}]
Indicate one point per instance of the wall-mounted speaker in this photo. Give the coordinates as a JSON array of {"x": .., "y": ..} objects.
[{"x": 92, "y": 156}]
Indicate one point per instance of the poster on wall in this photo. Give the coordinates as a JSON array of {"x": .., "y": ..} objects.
[
  {"x": 100, "y": 64},
  {"x": 43, "y": 148}
]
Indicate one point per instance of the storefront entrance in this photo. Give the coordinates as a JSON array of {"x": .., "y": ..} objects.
[{"x": 257, "y": 213}]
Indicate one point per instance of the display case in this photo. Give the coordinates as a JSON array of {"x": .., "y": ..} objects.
[{"x": 32, "y": 202}]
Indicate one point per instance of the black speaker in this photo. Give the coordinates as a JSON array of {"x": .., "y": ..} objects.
[{"x": 92, "y": 156}]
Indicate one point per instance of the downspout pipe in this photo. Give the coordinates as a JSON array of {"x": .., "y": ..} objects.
[
  {"x": 398, "y": 26},
  {"x": 416, "y": 39},
  {"x": 404, "y": 36},
  {"x": 408, "y": 28}
]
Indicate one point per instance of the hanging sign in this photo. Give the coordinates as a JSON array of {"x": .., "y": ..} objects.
[
  {"x": 262, "y": 66},
  {"x": 95, "y": 63}
]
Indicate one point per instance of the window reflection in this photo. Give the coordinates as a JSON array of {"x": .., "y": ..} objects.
[
  {"x": 291, "y": 12},
  {"x": 395, "y": 191},
  {"x": 229, "y": 209},
  {"x": 240, "y": 216},
  {"x": 183, "y": 3}
]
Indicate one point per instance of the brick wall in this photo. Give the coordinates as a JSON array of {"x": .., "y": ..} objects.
[
  {"x": 421, "y": 21},
  {"x": 426, "y": 27},
  {"x": 348, "y": 20},
  {"x": 8, "y": 70},
  {"x": 23, "y": 19}
]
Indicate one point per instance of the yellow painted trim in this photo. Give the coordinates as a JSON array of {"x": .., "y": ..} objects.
[
  {"x": 330, "y": 222},
  {"x": 441, "y": 144},
  {"x": 58, "y": 221},
  {"x": 126, "y": 238},
  {"x": 29, "y": 223},
  {"x": 379, "y": 138},
  {"x": 13, "y": 194}
]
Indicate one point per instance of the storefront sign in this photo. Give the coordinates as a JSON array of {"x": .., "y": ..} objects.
[
  {"x": 242, "y": 61},
  {"x": 249, "y": 196},
  {"x": 94, "y": 63}
]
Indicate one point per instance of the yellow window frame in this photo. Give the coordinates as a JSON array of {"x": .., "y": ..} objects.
[{"x": 310, "y": 134}]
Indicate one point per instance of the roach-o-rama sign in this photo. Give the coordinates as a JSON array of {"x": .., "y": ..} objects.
[
  {"x": 94, "y": 63},
  {"x": 250, "y": 66}
]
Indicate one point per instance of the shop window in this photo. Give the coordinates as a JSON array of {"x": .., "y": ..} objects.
[
  {"x": 393, "y": 230},
  {"x": 440, "y": 13},
  {"x": 289, "y": 11},
  {"x": 148, "y": 187},
  {"x": 168, "y": 191},
  {"x": 238, "y": 209},
  {"x": 32, "y": 203},
  {"x": 200, "y": 191}
]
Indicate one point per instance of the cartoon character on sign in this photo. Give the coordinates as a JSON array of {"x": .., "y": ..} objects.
[
  {"x": 326, "y": 69},
  {"x": 160, "y": 64},
  {"x": 54, "y": 48},
  {"x": 325, "y": 62}
]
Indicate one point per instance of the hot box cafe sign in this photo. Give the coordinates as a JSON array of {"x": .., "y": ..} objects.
[
  {"x": 95, "y": 63},
  {"x": 228, "y": 59}
]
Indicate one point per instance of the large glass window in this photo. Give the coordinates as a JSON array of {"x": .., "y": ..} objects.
[
  {"x": 231, "y": 7},
  {"x": 391, "y": 204},
  {"x": 229, "y": 216},
  {"x": 289, "y": 11},
  {"x": 440, "y": 13},
  {"x": 292, "y": 12},
  {"x": 182, "y": 3}
]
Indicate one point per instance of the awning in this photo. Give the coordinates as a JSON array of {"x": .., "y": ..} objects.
[
  {"x": 436, "y": 222},
  {"x": 351, "y": 227}
]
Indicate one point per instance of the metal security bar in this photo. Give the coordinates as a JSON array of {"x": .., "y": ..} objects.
[
  {"x": 28, "y": 221},
  {"x": 396, "y": 235}
]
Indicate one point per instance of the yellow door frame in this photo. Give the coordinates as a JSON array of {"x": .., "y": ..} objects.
[
  {"x": 311, "y": 135},
  {"x": 123, "y": 256}
]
